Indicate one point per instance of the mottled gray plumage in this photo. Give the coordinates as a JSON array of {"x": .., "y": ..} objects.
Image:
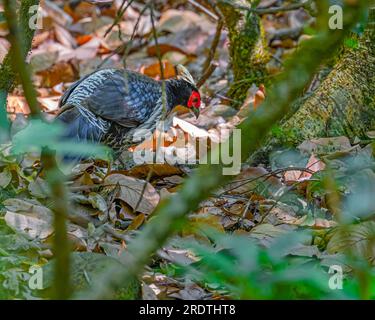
[{"x": 109, "y": 105}]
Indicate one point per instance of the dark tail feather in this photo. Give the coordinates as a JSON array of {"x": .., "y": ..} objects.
[{"x": 77, "y": 130}]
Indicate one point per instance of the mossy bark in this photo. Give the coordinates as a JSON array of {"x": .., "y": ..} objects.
[
  {"x": 248, "y": 51},
  {"x": 344, "y": 104},
  {"x": 7, "y": 74}
]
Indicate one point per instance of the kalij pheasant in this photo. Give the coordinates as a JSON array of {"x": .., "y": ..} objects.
[{"x": 110, "y": 105}]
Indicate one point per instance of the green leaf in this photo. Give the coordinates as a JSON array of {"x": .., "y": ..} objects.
[{"x": 39, "y": 134}]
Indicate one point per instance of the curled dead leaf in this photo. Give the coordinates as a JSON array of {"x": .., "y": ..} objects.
[
  {"x": 139, "y": 194},
  {"x": 28, "y": 218}
]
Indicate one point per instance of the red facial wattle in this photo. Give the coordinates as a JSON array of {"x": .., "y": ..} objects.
[{"x": 194, "y": 100}]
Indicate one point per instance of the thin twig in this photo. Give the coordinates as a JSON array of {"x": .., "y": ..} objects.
[
  {"x": 130, "y": 43},
  {"x": 209, "y": 71},
  {"x": 204, "y": 9},
  {"x": 209, "y": 67},
  {"x": 213, "y": 6},
  {"x": 266, "y": 176},
  {"x": 277, "y": 201},
  {"x": 154, "y": 34},
  {"x": 158, "y": 53},
  {"x": 214, "y": 45},
  {"x": 127, "y": 45},
  {"x": 288, "y": 189},
  {"x": 149, "y": 175},
  {"x": 119, "y": 16}
]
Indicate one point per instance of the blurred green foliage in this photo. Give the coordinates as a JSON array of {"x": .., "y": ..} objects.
[
  {"x": 39, "y": 134},
  {"x": 242, "y": 268}
]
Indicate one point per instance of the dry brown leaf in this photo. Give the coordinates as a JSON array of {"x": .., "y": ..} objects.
[
  {"x": 158, "y": 139},
  {"x": 82, "y": 39},
  {"x": 332, "y": 144},
  {"x": 249, "y": 178},
  {"x": 64, "y": 37},
  {"x": 202, "y": 221},
  {"x": 266, "y": 233},
  {"x": 293, "y": 175},
  {"x": 39, "y": 188},
  {"x": 82, "y": 10},
  {"x": 41, "y": 60},
  {"x": 154, "y": 70},
  {"x": 84, "y": 180},
  {"x": 152, "y": 51},
  {"x": 50, "y": 104},
  {"x": 249, "y": 104},
  {"x": 180, "y": 154},
  {"x": 260, "y": 96},
  {"x": 64, "y": 53},
  {"x": 148, "y": 293},
  {"x": 88, "y": 50},
  {"x": 60, "y": 72},
  {"x": 56, "y": 14},
  {"x": 133, "y": 192},
  {"x": 317, "y": 223},
  {"x": 191, "y": 292},
  {"x": 17, "y": 105},
  {"x": 314, "y": 165},
  {"x": 177, "y": 21},
  {"x": 28, "y": 218},
  {"x": 176, "y": 58},
  {"x": 158, "y": 170},
  {"x": 137, "y": 222},
  {"x": 236, "y": 209},
  {"x": 76, "y": 236},
  {"x": 286, "y": 215},
  {"x": 40, "y": 37}
]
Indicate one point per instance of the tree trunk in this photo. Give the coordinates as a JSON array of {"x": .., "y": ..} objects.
[
  {"x": 344, "y": 104},
  {"x": 7, "y": 74},
  {"x": 247, "y": 48}
]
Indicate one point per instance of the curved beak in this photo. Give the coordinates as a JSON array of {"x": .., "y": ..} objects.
[{"x": 196, "y": 112}]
